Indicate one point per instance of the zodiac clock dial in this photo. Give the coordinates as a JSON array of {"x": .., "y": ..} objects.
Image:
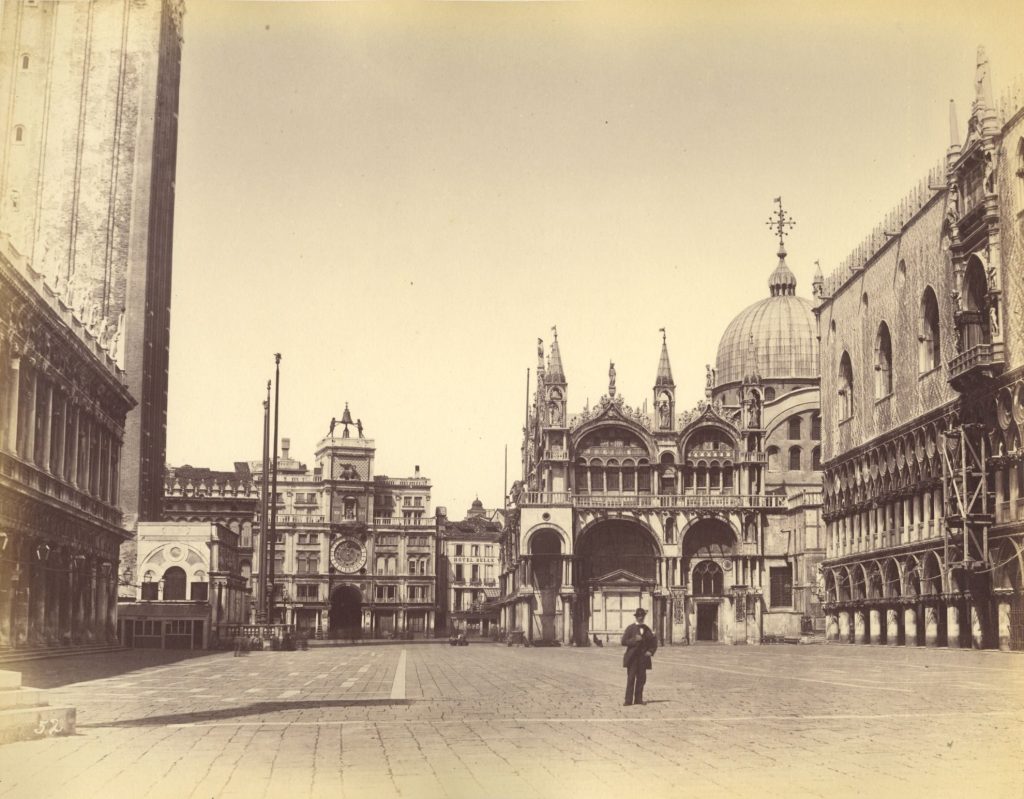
[{"x": 348, "y": 556}]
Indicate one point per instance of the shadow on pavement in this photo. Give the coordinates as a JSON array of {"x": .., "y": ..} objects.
[
  {"x": 255, "y": 709},
  {"x": 59, "y": 671}
]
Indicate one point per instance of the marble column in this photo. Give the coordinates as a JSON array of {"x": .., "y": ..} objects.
[
  {"x": 90, "y": 600},
  {"x": 910, "y": 626},
  {"x": 892, "y": 626},
  {"x": 953, "y": 626},
  {"x": 47, "y": 426},
  {"x": 7, "y": 587},
  {"x": 832, "y": 628},
  {"x": 13, "y": 393},
  {"x": 860, "y": 627},
  {"x": 1003, "y": 617},
  {"x": 844, "y": 626},
  {"x": 874, "y": 632},
  {"x": 37, "y": 599},
  {"x": 101, "y": 602},
  {"x": 977, "y": 628},
  {"x": 931, "y": 625},
  {"x": 78, "y": 600},
  {"x": 111, "y": 619},
  {"x": 67, "y": 593},
  {"x": 30, "y": 418}
]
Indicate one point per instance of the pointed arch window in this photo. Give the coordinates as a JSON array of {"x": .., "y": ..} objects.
[
  {"x": 816, "y": 459},
  {"x": 794, "y": 459},
  {"x": 845, "y": 387},
  {"x": 883, "y": 362},
  {"x": 928, "y": 333},
  {"x": 795, "y": 429}
]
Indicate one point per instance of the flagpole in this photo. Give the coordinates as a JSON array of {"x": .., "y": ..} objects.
[
  {"x": 272, "y": 538},
  {"x": 261, "y": 552}
]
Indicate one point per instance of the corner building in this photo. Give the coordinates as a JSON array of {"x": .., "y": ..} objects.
[
  {"x": 708, "y": 518},
  {"x": 922, "y": 359}
]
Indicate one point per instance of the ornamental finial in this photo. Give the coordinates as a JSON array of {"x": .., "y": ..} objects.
[{"x": 780, "y": 220}]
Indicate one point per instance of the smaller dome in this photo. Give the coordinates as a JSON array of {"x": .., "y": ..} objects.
[
  {"x": 477, "y": 504},
  {"x": 782, "y": 282}
]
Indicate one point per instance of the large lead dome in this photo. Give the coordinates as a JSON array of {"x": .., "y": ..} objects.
[{"x": 778, "y": 331}]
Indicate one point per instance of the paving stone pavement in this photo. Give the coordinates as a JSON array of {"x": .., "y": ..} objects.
[{"x": 493, "y": 721}]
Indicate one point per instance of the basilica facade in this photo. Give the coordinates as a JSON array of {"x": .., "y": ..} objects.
[{"x": 708, "y": 518}]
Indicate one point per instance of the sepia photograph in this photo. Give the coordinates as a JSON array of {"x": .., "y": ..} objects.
[{"x": 511, "y": 398}]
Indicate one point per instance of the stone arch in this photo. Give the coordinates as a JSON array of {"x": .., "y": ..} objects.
[
  {"x": 858, "y": 581},
  {"x": 831, "y": 588},
  {"x": 545, "y": 550},
  {"x": 874, "y": 586},
  {"x": 709, "y": 538},
  {"x": 1008, "y": 565},
  {"x": 564, "y": 538},
  {"x": 891, "y": 578},
  {"x": 611, "y": 544},
  {"x": 911, "y": 577},
  {"x": 931, "y": 574},
  {"x": 346, "y": 619},
  {"x": 175, "y": 583}
]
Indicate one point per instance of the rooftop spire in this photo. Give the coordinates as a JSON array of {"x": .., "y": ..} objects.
[
  {"x": 782, "y": 280},
  {"x": 555, "y": 373},
  {"x": 954, "y": 129},
  {"x": 664, "y": 377}
]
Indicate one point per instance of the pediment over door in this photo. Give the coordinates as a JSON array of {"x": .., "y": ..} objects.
[{"x": 620, "y": 578}]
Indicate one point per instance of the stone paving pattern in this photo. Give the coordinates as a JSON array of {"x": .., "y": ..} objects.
[{"x": 492, "y": 721}]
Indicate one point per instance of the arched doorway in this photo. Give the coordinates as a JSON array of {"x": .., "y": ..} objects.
[
  {"x": 175, "y": 583},
  {"x": 616, "y": 574},
  {"x": 708, "y": 582},
  {"x": 546, "y": 569},
  {"x": 707, "y": 550},
  {"x": 346, "y": 612}
]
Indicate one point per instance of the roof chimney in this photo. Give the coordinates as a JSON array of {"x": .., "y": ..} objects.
[
  {"x": 285, "y": 444},
  {"x": 417, "y": 470}
]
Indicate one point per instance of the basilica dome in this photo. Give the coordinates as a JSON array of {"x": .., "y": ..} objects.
[{"x": 777, "y": 336}]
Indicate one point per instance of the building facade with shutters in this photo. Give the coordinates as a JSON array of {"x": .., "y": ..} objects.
[
  {"x": 708, "y": 518},
  {"x": 467, "y": 577},
  {"x": 922, "y": 360}
]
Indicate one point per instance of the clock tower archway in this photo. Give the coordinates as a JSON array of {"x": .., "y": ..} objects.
[{"x": 346, "y": 612}]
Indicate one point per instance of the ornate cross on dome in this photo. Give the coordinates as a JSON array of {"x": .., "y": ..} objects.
[{"x": 780, "y": 220}]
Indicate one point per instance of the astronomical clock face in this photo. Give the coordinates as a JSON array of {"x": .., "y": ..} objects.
[{"x": 348, "y": 556}]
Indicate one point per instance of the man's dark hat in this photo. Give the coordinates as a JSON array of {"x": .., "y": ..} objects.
[{"x": 640, "y": 612}]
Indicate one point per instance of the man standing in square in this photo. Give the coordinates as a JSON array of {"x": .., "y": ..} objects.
[{"x": 640, "y": 644}]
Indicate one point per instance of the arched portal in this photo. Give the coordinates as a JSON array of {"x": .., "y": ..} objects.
[
  {"x": 546, "y": 570},
  {"x": 707, "y": 550},
  {"x": 346, "y": 612},
  {"x": 616, "y": 574}
]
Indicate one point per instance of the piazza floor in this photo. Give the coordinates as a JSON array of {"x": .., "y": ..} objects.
[{"x": 430, "y": 720}]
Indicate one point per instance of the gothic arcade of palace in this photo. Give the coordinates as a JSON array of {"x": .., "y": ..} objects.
[{"x": 707, "y": 518}]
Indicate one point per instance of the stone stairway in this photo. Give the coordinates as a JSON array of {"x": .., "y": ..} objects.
[
  {"x": 39, "y": 653},
  {"x": 25, "y": 713}
]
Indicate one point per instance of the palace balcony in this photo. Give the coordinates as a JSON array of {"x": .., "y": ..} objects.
[
  {"x": 653, "y": 501},
  {"x": 982, "y": 361},
  {"x": 424, "y": 522},
  {"x": 31, "y": 476}
]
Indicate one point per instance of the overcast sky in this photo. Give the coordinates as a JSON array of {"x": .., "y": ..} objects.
[{"x": 402, "y": 198}]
